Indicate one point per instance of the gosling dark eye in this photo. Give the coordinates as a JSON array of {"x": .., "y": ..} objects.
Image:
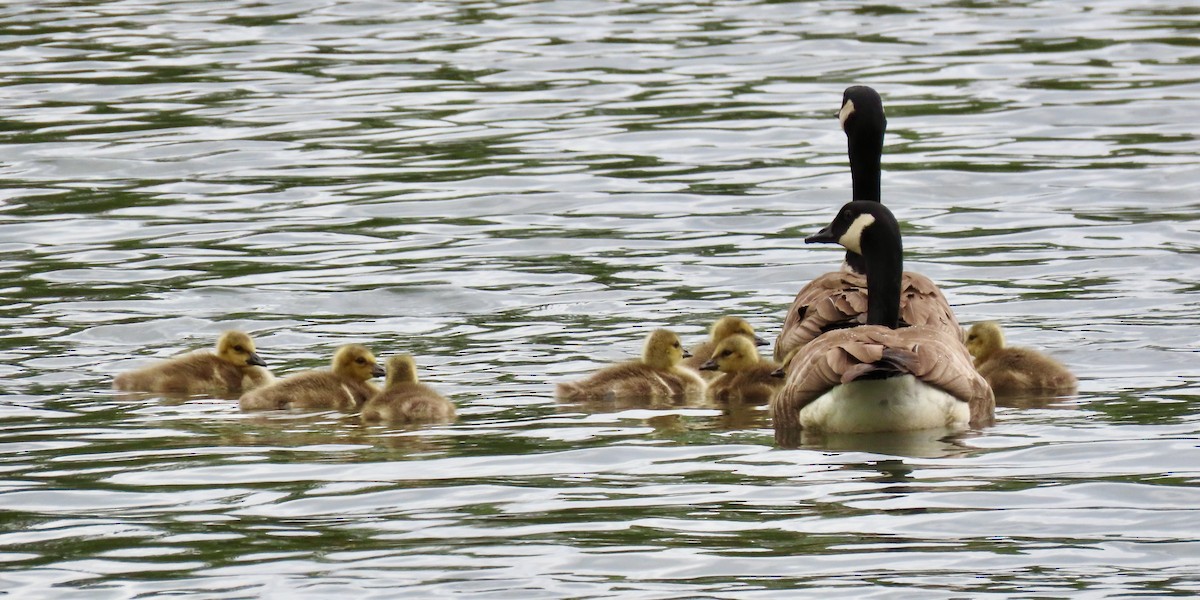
[
  {"x": 727, "y": 353},
  {"x": 360, "y": 360},
  {"x": 239, "y": 349},
  {"x": 970, "y": 337}
]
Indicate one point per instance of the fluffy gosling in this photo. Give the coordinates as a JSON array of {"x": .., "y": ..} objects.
[
  {"x": 405, "y": 400},
  {"x": 657, "y": 375},
  {"x": 346, "y": 387},
  {"x": 722, "y": 329},
  {"x": 232, "y": 369},
  {"x": 1016, "y": 371},
  {"x": 744, "y": 377}
]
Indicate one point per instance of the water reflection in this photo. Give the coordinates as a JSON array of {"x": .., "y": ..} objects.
[{"x": 928, "y": 443}]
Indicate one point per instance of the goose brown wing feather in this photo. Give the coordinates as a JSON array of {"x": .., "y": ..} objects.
[
  {"x": 838, "y": 300},
  {"x": 933, "y": 354}
]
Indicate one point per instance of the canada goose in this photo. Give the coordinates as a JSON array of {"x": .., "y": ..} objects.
[
  {"x": 1016, "y": 371},
  {"x": 404, "y": 399},
  {"x": 879, "y": 376},
  {"x": 838, "y": 299},
  {"x": 721, "y": 329},
  {"x": 234, "y": 368},
  {"x": 743, "y": 376},
  {"x": 658, "y": 374},
  {"x": 346, "y": 387}
]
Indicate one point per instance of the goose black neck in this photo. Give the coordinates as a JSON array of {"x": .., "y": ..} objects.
[
  {"x": 864, "y": 143},
  {"x": 865, "y": 148},
  {"x": 856, "y": 262},
  {"x": 884, "y": 256}
]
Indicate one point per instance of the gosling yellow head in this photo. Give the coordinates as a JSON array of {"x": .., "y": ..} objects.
[
  {"x": 983, "y": 339},
  {"x": 236, "y": 348},
  {"x": 401, "y": 369},
  {"x": 663, "y": 350},
  {"x": 733, "y": 354},
  {"x": 356, "y": 362},
  {"x": 732, "y": 326}
]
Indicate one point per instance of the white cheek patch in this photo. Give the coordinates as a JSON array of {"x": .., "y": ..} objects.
[
  {"x": 847, "y": 110},
  {"x": 852, "y": 239}
]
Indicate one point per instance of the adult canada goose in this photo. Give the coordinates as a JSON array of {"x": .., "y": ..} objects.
[
  {"x": 879, "y": 376},
  {"x": 346, "y": 387},
  {"x": 657, "y": 375},
  {"x": 233, "y": 368},
  {"x": 744, "y": 377},
  {"x": 404, "y": 399},
  {"x": 838, "y": 299},
  {"x": 723, "y": 328},
  {"x": 1016, "y": 371}
]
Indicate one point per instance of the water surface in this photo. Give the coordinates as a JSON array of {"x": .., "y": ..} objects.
[{"x": 516, "y": 192}]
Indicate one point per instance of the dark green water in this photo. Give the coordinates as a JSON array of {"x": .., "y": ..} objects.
[{"x": 516, "y": 192}]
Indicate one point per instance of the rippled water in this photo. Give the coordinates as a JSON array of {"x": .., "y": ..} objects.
[{"x": 516, "y": 192}]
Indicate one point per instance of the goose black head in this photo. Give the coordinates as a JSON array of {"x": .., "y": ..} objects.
[
  {"x": 858, "y": 221},
  {"x": 869, "y": 230},
  {"x": 862, "y": 113}
]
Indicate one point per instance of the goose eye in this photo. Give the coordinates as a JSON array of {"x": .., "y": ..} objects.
[
  {"x": 239, "y": 348},
  {"x": 970, "y": 337},
  {"x": 846, "y": 214},
  {"x": 360, "y": 360},
  {"x": 727, "y": 353}
]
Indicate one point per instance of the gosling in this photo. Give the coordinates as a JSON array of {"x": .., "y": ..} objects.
[
  {"x": 405, "y": 400},
  {"x": 233, "y": 369},
  {"x": 722, "y": 329},
  {"x": 1016, "y": 371},
  {"x": 744, "y": 377},
  {"x": 657, "y": 375},
  {"x": 346, "y": 387}
]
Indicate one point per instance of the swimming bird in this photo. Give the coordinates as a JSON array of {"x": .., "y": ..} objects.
[
  {"x": 1016, "y": 371},
  {"x": 838, "y": 299},
  {"x": 721, "y": 329},
  {"x": 404, "y": 399},
  {"x": 657, "y": 375},
  {"x": 743, "y": 376},
  {"x": 880, "y": 376},
  {"x": 345, "y": 387},
  {"x": 233, "y": 368}
]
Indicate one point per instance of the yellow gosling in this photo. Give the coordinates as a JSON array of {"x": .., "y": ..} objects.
[
  {"x": 722, "y": 329},
  {"x": 232, "y": 369},
  {"x": 1016, "y": 371},
  {"x": 405, "y": 400},
  {"x": 744, "y": 377},
  {"x": 345, "y": 387},
  {"x": 657, "y": 375}
]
